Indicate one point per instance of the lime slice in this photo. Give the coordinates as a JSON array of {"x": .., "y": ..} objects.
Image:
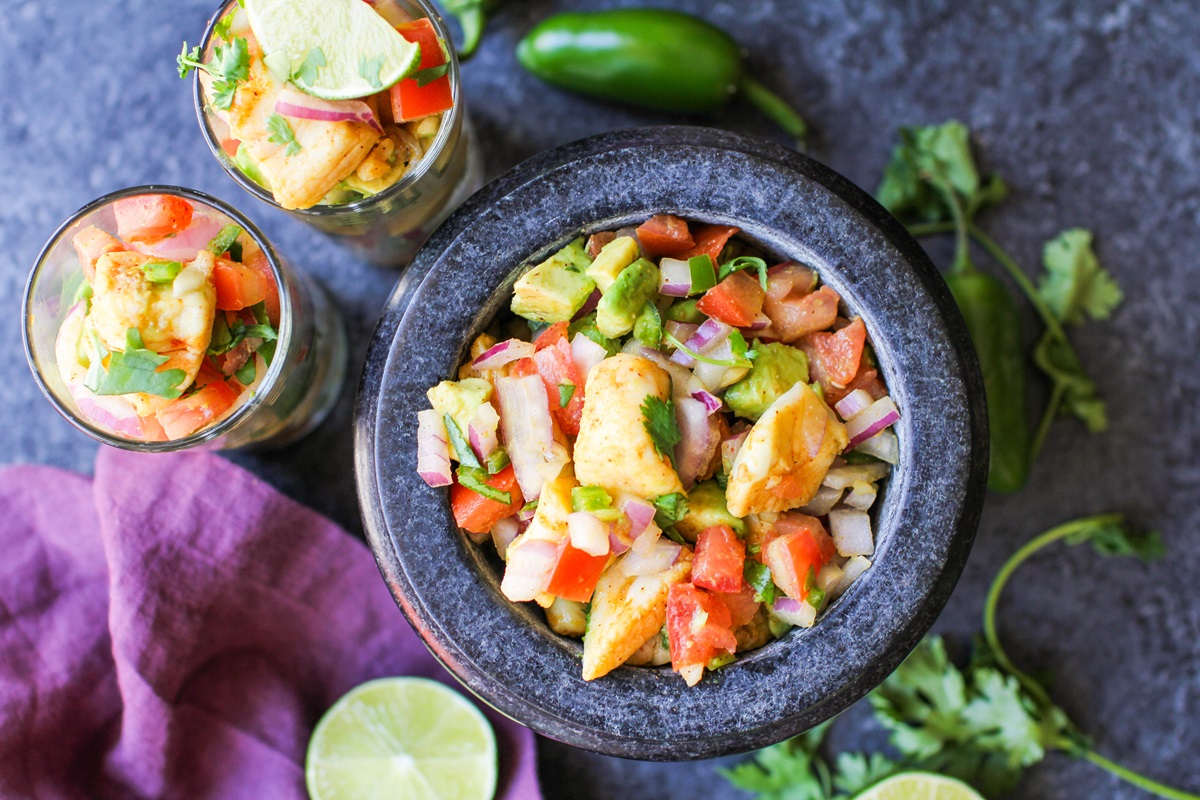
[
  {"x": 332, "y": 49},
  {"x": 402, "y": 739},
  {"x": 919, "y": 786}
]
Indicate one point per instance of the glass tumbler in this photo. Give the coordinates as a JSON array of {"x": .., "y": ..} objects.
[
  {"x": 384, "y": 229},
  {"x": 267, "y": 372}
]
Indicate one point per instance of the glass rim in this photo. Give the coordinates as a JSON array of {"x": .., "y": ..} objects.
[
  {"x": 239, "y": 414},
  {"x": 406, "y": 181}
]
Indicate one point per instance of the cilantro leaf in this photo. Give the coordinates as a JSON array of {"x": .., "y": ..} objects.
[
  {"x": 306, "y": 73},
  {"x": 133, "y": 370},
  {"x": 1074, "y": 285},
  {"x": 369, "y": 69},
  {"x": 188, "y": 60},
  {"x": 786, "y": 771},
  {"x": 230, "y": 66},
  {"x": 658, "y": 417},
  {"x": 247, "y": 372},
  {"x": 282, "y": 133},
  {"x": 475, "y": 479},
  {"x": 1077, "y": 393},
  {"x": 225, "y": 337},
  {"x": 856, "y": 772},
  {"x": 1113, "y": 537},
  {"x": 669, "y": 509},
  {"x": 161, "y": 271},
  {"x": 223, "y": 26},
  {"x": 741, "y": 263},
  {"x": 758, "y": 576}
]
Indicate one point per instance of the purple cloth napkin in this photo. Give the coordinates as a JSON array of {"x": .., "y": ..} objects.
[{"x": 176, "y": 627}]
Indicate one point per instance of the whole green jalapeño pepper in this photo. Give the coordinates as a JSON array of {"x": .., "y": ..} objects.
[
  {"x": 991, "y": 315},
  {"x": 654, "y": 58}
]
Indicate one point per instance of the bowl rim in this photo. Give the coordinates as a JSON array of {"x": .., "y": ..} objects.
[{"x": 762, "y": 698}]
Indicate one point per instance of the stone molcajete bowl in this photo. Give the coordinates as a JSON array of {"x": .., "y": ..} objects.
[{"x": 794, "y": 207}]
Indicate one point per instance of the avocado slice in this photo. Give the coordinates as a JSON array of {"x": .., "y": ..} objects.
[
  {"x": 706, "y": 507},
  {"x": 777, "y": 368},
  {"x": 555, "y": 289},
  {"x": 623, "y": 301}
]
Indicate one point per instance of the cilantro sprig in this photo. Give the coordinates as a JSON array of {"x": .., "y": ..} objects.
[
  {"x": 282, "y": 133},
  {"x": 745, "y": 262},
  {"x": 134, "y": 369},
  {"x": 230, "y": 66},
  {"x": 658, "y": 417}
]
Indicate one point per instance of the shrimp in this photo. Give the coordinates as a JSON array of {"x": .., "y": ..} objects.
[{"x": 174, "y": 319}]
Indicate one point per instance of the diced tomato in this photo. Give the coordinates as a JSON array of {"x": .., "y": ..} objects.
[
  {"x": 230, "y": 146},
  {"x": 557, "y": 367},
  {"x": 699, "y": 626},
  {"x": 736, "y": 301},
  {"x": 792, "y": 559},
  {"x": 597, "y": 241},
  {"x": 551, "y": 336},
  {"x": 709, "y": 240},
  {"x": 834, "y": 358},
  {"x": 476, "y": 513},
  {"x": 798, "y": 311},
  {"x": 522, "y": 367},
  {"x": 576, "y": 573},
  {"x": 238, "y": 286},
  {"x": 149, "y": 217},
  {"x": 741, "y": 604},
  {"x": 867, "y": 379},
  {"x": 186, "y": 415},
  {"x": 254, "y": 258},
  {"x": 664, "y": 235},
  {"x": 91, "y": 243},
  {"x": 410, "y": 100},
  {"x": 794, "y": 521},
  {"x": 720, "y": 556}
]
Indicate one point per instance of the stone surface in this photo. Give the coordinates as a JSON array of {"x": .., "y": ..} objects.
[{"x": 1091, "y": 111}]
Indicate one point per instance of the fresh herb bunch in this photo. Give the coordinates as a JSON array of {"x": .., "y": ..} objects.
[
  {"x": 933, "y": 184},
  {"x": 985, "y": 724}
]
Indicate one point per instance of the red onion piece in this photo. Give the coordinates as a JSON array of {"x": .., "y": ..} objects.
[
  {"x": 588, "y": 306},
  {"x": 586, "y": 354},
  {"x": 526, "y": 515},
  {"x": 640, "y": 514},
  {"x": 616, "y": 544},
  {"x": 503, "y": 353},
  {"x": 116, "y": 414},
  {"x": 433, "y": 449},
  {"x": 710, "y": 334},
  {"x": 760, "y": 323},
  {"x": 298, "y": 105},
  {"x": 661, "y": 557},
  {"x": 852, "y": 404},
  {"x": 698, "y": 440},
  {"x": 529, "y": 433},
  {"x": 680, "y": 330},
  {"x": 883, "y": 445},
  {"x": 588, "y": 533},
  {"x": 794, "y": 612},
  {"x": 881, "y": 414},
  {"x": 184, "y": 245},
  {"x": 528, "y": 570},
  {"x": 503, "y": 533},
  {"x": 712, "y": 403},
  {"x": 482, "y": 430},
  {"x": 675, "y": 278},
  {"x": 851, "y": 532}
]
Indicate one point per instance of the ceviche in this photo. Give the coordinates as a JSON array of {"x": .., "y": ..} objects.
[
  {"x": 323, "y": 102},
  {"x": 674, "y": 446},
  {"x": 173, "y": 320}
]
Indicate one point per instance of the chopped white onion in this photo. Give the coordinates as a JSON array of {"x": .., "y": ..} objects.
[
  {"x": 871, "y": 421},
  {"x": 698, "y": 439},
  {"x": 503, "y": 353},
  {"x": 644, "y": 543},
  {"x": 829, "y": 579},
  {"x": 854, "y": 403},
  {"x": 794, "y": 612},
  {"x": 482, "y": 430},
  {"x": 529, "y": 433},
  {"x": 661, "y": 557},
  {"x": 851, "y": 531},
  {"x": 760, "y": 323},
  {"x": 528, "y": 570},
  {"x": 675, "y": 278},
  {"x": 680, "y": 330},
  {"x": 826, "y": 498},
  {"x": 586, "y": 354},
  {"x": 433, "y": 449},
  {"x": 862, "y": 496},
  {"x": 883, "y": 445},
  {"x": 851, "y": 571},
  {"x": 716, "y": 377},
  {"x": 503, "y": 533},
  {"x": 588, "y": 533},
  {"x": 847, "y": 475}
]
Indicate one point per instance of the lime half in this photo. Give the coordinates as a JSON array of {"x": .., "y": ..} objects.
[
  {"x": 332, "y": 49},
  {"x": 919, "y": 786},
  {"x": 402, "y": 739}
]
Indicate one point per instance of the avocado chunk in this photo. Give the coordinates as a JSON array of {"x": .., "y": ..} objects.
[
  {"x": 460, "y": 399},
  {"x": 706, "y": 507},
  {"x": 587, "y": 326},
  {"x": 686, "y": 311},
  {"x": 611, "y": 260},
  {"x": 620, "y": 305},
  {"x": 249, "y": 166},
  {"x": 555, "y": 289},
  {"x": 777, "y": 368}
]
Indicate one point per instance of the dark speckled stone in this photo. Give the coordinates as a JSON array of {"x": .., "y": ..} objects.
[{"x": 793, "y": 206}]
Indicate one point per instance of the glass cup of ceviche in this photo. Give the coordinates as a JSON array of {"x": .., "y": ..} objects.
[
  {"x": 346, "y": 114},
  {"x": 158, "y": 318},
  {"x": 673, "y": 443}
]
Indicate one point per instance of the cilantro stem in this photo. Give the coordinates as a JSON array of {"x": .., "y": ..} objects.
[
  {"x": 1021, "y": 279},
  {"x": 1043, "y": 428},
  {"x": 703, "y": 359},
  {"x": 1137, "y": 779}
]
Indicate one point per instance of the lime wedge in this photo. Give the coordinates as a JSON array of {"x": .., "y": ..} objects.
[
  {"x": 332, "y": 49},
  {"x": 919, "y": 786},
  {"x": 402, "y": 739}
]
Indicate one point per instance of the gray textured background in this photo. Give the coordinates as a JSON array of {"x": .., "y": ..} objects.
[{"x": 1091, "y": 111}]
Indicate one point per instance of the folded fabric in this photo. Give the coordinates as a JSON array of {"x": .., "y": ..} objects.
[{"x": 175, "y": 628}]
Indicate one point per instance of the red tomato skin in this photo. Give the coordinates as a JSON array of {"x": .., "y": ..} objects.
[
  {"x": 709, "y": 240},
  {"x": 867, "y": 379},
  {"x": 557, "y": 367},
  {"x": 150, "y": 217},
  {"x": 696, "y": 639},
  {"x": 255, "y": 259},
  {"x": 551, "y": 336},
  {"x": 91, "y": 243},
  {"x": 475, "y": 513},
  {"x": 798, "y": 312},
  {"x": 793, "y": 521},
  {"x": 736, "y": 301},
  {"x": 576, "y": 573},
  {"x": 522, "y": 367},
  {"x": 238, "y": 286},
  {"x": 790, "y": 557},
  {"x": 409, "y": 100},
  {"x": 186, "y": 415},
  {"x": 834, "y": 358},
  {"x": 720, "y": 557},
  {"x": 741, "y": 604},
  {"x": 664, "y": 235},
  {"x": 597, "y": 241}
]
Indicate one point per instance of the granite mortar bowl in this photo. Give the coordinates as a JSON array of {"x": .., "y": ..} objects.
[{"x": 449, "y": 589}]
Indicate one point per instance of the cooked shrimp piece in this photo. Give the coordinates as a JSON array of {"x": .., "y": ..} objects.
[{"x": 174, "y": 318}]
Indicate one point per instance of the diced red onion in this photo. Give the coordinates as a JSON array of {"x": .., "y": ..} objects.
[
  {"x": 482, "y": 430},
  {"x": 698, "y": 439},
  {"x": 712, "y": 403},
  {"x": 528, "y": 570},
  {"x": 760, "y": 323},
  {"x": 851, "y": 532},
  {"x": 526, "y": 515},
  {"x": 588, "y": 533},
  {"x": 680, "y": 330},
  {"x": 503, "y": 533},
  {"x": 854, "y": 403},
  {"x": 640, "y": 514},
  {"x": 862, "y": 496},
  {"x": 299, "y": 105},
  {"x": 616, "y": 544},
  {"x": 730, "y": 447},
  {"x": 846, "y": 475},
  {"x": 116, "y": 414},
  {"x": 661, "y": 557},
  {"x": 503, "y": 353},
  {"x": 794, "y": 612},
  {"x": 710, "y": 334},
  {"x": 644, "y": 543},
  {"x": 588, "y": 306},
  {"x": 586, "y": 354},
  {"x": 184, "y": 245},
  {"x": 875, "y": 418},
  {"x": 826, "y": 498},
  {"x": 675, "y": 278},
  {"x": 716, "y": 377},
  {"x": 883, "y": 445},
  {"x": 683, "y": 382},
  {"x": 529, "y": 433},
  {"x": 433, "y": 449}
]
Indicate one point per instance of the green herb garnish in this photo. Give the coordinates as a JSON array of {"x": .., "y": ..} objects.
[
  {"x": 229, "y": 67},
  {"x": 462, "y": 449},
  {"x": 225, "y": 337},
  {"x": 669, "y": 509},
  {"x": 133, "y": 370},
  {"x": 743, "y": 362},
  {"x": 306, "y": 73},
  {"x": 658, "y": 417},
  {"x": 247, "y": 372},
  {"x": 161, "y": 271},
  {"x": 282, "y": 133},
  {"x": 369, "y": 69},
  {"x": 221, "y": 29},
  {"x": 758, "y": 575},
  {"x": 745, "y": 262}
]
